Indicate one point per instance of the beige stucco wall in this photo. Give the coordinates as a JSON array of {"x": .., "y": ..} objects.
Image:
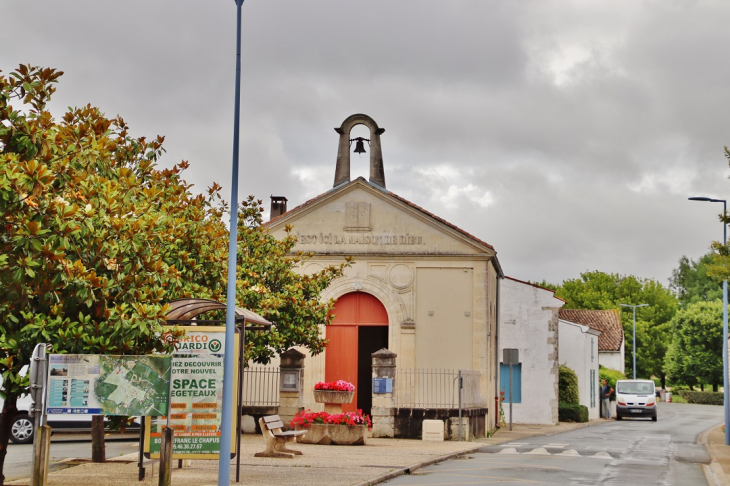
[{"x": 438, "y": 286}]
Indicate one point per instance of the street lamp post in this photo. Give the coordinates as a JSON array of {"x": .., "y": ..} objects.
[
  {"x": 634, "y": 339},
  {"x": 224, "y": 461},
  {"x": 725, "y": 380}
]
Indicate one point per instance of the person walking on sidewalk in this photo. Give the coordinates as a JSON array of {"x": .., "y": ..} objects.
[{"x": 606, "y": 391}]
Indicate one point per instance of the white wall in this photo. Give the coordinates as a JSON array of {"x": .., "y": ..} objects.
[
  {"x": 529, "y": 323},
  {"x": 613, "y": 360},
  {"x": 578, "y": 350}
]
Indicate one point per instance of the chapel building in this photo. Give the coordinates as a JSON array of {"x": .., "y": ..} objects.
[{"x": 419, "y": 286}]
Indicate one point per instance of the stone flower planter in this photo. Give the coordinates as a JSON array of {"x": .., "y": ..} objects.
[
  {"x": 330, "y": 396},
  {"x": 326, "y": 434}
]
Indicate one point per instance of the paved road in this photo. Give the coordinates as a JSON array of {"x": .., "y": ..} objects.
[
  {"x": 629, "y": 452},
  {"x": 63, "y": 446}
]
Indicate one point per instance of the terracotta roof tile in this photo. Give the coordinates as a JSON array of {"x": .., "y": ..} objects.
[{"x": 606, "y": 321}]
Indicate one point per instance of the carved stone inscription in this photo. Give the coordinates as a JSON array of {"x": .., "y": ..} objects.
[
  {"x": 335, "y": 239},
  {"x": 357, "y": 216}
]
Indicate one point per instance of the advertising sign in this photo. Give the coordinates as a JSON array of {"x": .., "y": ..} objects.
[
  {"x": 196, "y": 397},
  {"x": 108, "y": 385}
]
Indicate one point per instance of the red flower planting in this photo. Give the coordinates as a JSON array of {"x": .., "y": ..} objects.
[
  {"x": 306, "y": 417},
  {"x": 339, "y": 385}
]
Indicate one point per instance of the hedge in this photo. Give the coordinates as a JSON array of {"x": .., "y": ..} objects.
[
  {"x": 572, "y": 412},
  {"x": 567, "y": 386},
  {"x": 704, "y": 398},
  {"x": 611, "y": 376}
]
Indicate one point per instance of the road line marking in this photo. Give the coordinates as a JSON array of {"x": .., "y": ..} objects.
[
  {"x": 602, "y": 455},
  {"x": 508, "y": 450},
  {"x": 569, "y": 452},
  {"x": 540, "y": 451}
]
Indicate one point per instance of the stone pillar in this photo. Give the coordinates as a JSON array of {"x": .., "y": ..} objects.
[
  {"x": 342, "y": 170},
  {"x": 383, "y": 410},
  {"x": 291, "y": 384}
]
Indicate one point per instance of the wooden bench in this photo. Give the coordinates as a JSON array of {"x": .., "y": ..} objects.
[{"x": 276, "y": 439}]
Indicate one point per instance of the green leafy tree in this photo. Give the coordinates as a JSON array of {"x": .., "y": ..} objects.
[
  {"x": 611, "y": 376},
  {"x": 695, "y": 353},
  {"x": 545, "y": 284},
  {"x": 691, "y": 282},
  {"x": 96, "y": 239},
  {"x": 601, "y": 291},
  {"x": 720, "y": 267},
  {"x": 270, "y": 282}
]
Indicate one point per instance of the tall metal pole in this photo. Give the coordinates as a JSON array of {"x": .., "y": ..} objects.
[
  {"x": 725, "y": 381},
  {"x": 224, "y": 459},
  {"x": 634, "y": 339}
]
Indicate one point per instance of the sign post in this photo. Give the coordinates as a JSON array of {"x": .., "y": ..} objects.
[
  {"x": 510, "y": 357},
  {"x": 42, "y": 436}
]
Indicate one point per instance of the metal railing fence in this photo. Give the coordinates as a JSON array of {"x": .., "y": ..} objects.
[
  {"x": 261, "y": 386},
  {"x": 436, "y": 388}
]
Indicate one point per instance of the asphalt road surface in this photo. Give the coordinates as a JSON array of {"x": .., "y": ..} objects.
[
  {"x": 629, "y": 452},
  {"x": 64, "y": 446}
]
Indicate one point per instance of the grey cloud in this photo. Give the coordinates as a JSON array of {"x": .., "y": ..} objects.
[{"x": 568, "y": 132}]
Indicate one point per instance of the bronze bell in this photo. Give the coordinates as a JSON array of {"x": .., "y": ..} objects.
[{"x": 359, "y": 146}]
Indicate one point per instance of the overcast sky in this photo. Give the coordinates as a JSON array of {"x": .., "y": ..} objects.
[{"x": 567, "y": 134}]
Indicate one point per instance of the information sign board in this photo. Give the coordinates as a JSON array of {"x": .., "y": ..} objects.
[
  {"x": 108, "y": 385},
  {"x": 196, "y": 397}
]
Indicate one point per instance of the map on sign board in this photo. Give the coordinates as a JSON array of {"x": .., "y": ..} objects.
[{"x": 108, "y": 385}]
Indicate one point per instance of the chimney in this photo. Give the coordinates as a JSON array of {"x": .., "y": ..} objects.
[{"x": 278, "y": 206}]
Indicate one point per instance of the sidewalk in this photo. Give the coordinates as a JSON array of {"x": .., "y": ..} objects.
[
  {"x": 373, "y": 463},
  {"x": 719, "y": 468}
]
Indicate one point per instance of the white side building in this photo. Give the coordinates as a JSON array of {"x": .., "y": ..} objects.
[
  {"x": 578, "y": 350},
  {"x": 529, "y": 323},
  {"x": 611, "y": 342}
]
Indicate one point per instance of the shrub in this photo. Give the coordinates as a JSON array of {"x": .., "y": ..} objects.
[
  {"x": 567, "y": 386},
  {"x": 611, "y": 376},
  {"x": 572, "y": 412},
  {"x": 704, "y": 398}
]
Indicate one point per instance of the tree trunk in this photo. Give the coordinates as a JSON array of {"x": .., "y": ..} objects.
[
  {"x": 664, "y": 381},
  {"x": 702, "y": 387},
  {"x": 98, "y": 447},
  {"x": 691, "y": 388},
  {"x": 715, "y": 387},
  {"x": 9, "y": 412}
]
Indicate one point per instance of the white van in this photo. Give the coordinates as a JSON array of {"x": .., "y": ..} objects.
[
  {"x": 635, "y": 398},
  {"x": 22, "y": 429}
]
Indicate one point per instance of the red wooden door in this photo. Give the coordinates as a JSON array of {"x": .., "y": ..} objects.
[{"x": 351, "y": 311}]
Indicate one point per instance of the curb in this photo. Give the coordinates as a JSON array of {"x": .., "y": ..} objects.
[{"x": 714, "y": 473}]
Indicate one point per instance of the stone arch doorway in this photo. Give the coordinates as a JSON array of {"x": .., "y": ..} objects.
[{"x": 359, "y": 329}]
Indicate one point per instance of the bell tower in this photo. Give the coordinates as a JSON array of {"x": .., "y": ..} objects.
[{"x": 342, "y": 172}]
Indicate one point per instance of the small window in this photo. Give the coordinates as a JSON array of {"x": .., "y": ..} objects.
[{"x": 516, "y": 382}]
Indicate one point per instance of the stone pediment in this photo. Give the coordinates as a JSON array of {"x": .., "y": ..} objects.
[{"x": 359, "y": 218}]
